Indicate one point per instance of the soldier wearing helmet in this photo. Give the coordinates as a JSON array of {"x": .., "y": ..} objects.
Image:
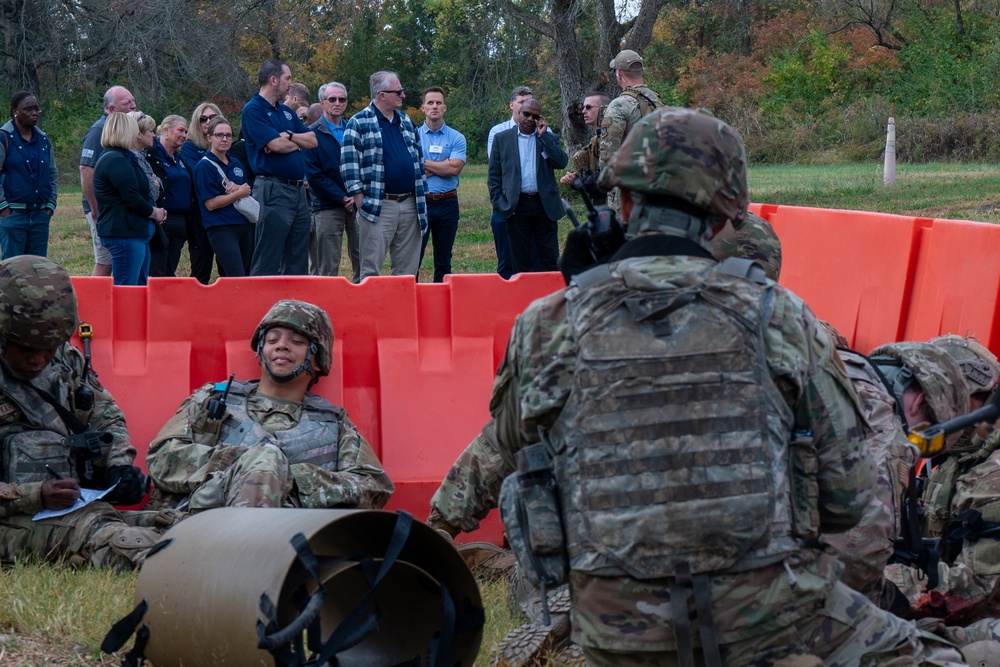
[
  {"x": 899, "y": 386},
  {"x": 699, "y": 429},
  {"x": 964, "y": 485},
  {"x": 49, "y": 395},
  {"x": 269, "y": 442}
]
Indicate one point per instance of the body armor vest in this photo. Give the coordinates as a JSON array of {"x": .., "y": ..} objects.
[
  {"x": 313, "y": 440},
  {"x": 40, "y": 442},
  {"x": 646, "y": 103},
  {"x": 673, "y": 445}
]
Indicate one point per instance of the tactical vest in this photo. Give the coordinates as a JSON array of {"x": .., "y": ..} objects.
[
  {"x": 673, "y": 445},
  {"x": 645, "y": 103},
  {"x": 40, "y": 440},
  {"x": 313, "y": 440}
]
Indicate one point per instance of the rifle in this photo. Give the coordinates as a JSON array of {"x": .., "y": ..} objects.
[{"x": 930, "y": 440}]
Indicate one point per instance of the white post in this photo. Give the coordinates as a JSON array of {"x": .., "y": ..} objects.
[{"x": 889, "y": 170}]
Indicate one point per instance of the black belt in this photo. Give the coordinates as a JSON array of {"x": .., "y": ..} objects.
[
  {"x": 402, "y": 197},
  {"x": 442, "y": 195},
  {"x": 530, "y": 195},
  {"x": 286, "y": 181}
]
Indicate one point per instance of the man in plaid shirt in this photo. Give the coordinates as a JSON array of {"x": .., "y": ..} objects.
[{"x": 384, "y": 172}]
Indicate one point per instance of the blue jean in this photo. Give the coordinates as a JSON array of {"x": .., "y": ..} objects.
[
  {"x": 24, "y": 233},
  {"x": 129, "y": 258},
  {"x": 442, "y": 224}
]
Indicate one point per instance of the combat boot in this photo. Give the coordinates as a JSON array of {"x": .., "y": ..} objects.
[{"x": 532, "y": 643}]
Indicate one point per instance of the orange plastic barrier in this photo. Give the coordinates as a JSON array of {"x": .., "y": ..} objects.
[
  {"x": 853, "y": 268},
  {"x": 413, "y": 363}
]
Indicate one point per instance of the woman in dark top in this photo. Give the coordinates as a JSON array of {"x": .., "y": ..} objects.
[
  {"x": 191, "y": 151},
  {"x": 166, "y": 161},
  {"x": 220, "y": 180},
  {"x": 124, "y": 200}
]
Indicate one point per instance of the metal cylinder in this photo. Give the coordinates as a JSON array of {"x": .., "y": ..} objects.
[{"x": 204, "y": 589}]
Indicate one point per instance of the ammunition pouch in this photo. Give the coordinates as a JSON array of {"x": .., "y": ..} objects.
[
  {"x": 532, "y": 516},
  {"x": 805, "y": 489},
  {"x": 25, "y": 455}
]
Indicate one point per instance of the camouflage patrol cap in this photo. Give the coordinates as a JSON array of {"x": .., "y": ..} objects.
[
  {"x": 305, "y": 318},
  {"x": 982, "y": 372},
  {"x": 756, "y": 240},
  {"x": 686, "y": 154},
  {"x": 937, "y": 373},
  {"x": 37, "y": 302}
]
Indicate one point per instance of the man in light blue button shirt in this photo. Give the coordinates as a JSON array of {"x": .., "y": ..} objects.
[{"x": 444, "y": 157}]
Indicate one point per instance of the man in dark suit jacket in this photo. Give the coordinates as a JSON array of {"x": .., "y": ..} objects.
[{"x": 523, "y": 187}]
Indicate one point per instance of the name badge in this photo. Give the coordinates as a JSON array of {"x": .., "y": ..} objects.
[{"x": 436, "y": 149}]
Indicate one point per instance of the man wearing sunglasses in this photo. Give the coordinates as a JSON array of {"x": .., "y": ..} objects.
[
  {"x": 332, "y": 208},
  {"x": 383, "y": 170},
  {"x": 117, "y": 98},
  {"x": 275, "y": 140},
  {"x": 586, "y": 162},
  {"x": 523, "y": 188}
]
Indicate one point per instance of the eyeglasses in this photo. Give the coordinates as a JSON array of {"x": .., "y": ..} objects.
[
  {"x": 336, "y": 100},
  {"x": 223, "y": 135},
  {"x": 394, "y": 92},
  {"x": 588, "y": 107},
  {"x": 205, "y": 119},
  {"x": 528, "y": 114}
]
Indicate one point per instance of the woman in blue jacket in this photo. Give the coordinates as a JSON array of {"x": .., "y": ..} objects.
[
  {"x": 127, "y": 214},
  {"x": 28, "y": 179},
  {"x": 219, "y": 181}
]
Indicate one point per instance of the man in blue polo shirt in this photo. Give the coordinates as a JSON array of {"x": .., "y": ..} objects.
[
  {"x": 444, "y": 158},
  {"x": 275, "y": 138},
  {"x": 384, "y": 173}
]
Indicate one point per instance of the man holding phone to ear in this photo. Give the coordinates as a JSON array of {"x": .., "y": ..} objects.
[{"x": 523, "y": 188}]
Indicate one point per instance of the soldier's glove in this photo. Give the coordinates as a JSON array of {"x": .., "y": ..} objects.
[
  {"x": 578, "y": 254},
  {"x": 132, "y": 485}
]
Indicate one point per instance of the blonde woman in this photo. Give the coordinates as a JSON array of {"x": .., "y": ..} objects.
[
  {"x": 127, "y": 215},
  {"x": 165, "y": 159},
  {"x": 192, "y": 150}
]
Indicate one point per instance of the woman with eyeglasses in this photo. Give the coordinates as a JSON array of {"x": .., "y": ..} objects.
[
  {"x": 164, "y": 157},
  {"x": 219, "y": 181},
  {"x": 192, "y": 151},
  {"x": 28, "y": 184},
  {"x": 125, "y": 201}
]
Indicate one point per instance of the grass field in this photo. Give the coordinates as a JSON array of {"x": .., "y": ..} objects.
[{"x": 52, "y": 615}]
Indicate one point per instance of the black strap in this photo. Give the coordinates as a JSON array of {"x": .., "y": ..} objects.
[
  {"x": 71, "y": 421},
  {"x": 124, "y": 628},
  {"x": 680, "y": 589},
  {"x": 706, "y": 620}
]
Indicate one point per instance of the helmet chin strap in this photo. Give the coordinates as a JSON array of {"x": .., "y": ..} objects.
[{"x": 304, "y": 367}]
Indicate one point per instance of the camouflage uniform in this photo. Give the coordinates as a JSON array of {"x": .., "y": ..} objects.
[
  {"x": 264, "y": 451},
  {"x": 966, "y": 480},
  {"x": 620, "y": 117},
  {"x": 866, "y": 548},
  {"x": 38, "y": 291},
  {"x": 786, "y": 599}
]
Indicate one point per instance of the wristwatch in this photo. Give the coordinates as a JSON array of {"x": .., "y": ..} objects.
[{"x": 289, "y": 132}]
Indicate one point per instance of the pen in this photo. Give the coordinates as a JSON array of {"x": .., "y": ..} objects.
[{"x": 52, "y": 472}]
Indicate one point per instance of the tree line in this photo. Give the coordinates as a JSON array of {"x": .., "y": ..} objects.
[{"x": 797, "y": 78}]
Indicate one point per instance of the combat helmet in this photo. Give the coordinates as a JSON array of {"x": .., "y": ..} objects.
[
  {"x": 755, "y": 240},
  {"x": 982, "y": 372},
  {"x": 681, "y": 165},
  {"x": 305, "y": 318},
  {"x": 37, "y": 302},
  {"x": 933, "y": 369}
]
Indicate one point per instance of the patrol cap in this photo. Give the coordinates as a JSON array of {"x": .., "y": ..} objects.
[
  {"x": 37, "y": 302},
  {"x": 756, "y": 240},
  {"x": 933, "y": 369},
  {"x": 683, "y": 154},
  {"x": 982, "y": 372},
  {"x": 305, "y": 318},
  {"x": 627, "y": 60}
]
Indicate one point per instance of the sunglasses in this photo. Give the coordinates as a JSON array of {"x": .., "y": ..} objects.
[
  {"x": 588, "y": 107},
  {"x": 336, "y": 100},
  {"x": 528, "y": 114},
  {"x": 205, "y": 119},
  {"x": 394, "y": 92}
]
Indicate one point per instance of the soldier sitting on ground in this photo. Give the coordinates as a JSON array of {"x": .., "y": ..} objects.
[
  {"x": 269, "y": 442},
  {"x": 60, "y": 430}
]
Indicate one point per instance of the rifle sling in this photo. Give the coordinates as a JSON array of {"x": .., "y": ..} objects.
[{"x": 71, "y": 420}]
